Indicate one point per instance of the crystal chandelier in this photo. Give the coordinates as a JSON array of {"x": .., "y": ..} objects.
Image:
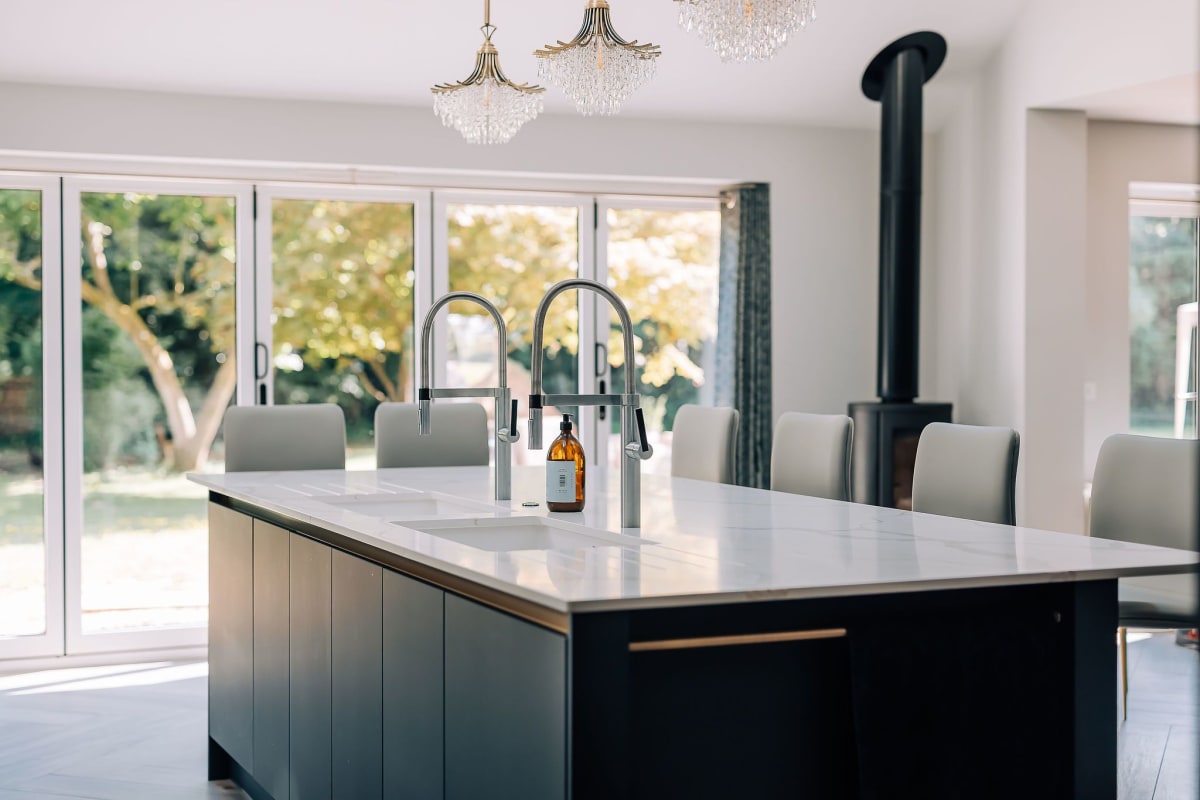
[
  {"x": 746, "y": 30},
  {"x": 486, "y": 107},
  {"x": 597, "y": 69}
]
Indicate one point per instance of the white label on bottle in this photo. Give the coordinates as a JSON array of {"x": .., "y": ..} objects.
[{"x": 560, "y": 481}]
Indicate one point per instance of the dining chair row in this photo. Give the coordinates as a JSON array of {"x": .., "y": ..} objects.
[
  {"x": 964, "y": 471},
  {"x": 271, "y": 438}
]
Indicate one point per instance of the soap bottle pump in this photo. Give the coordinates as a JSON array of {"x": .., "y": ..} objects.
[{"x": 565, "y": 467}]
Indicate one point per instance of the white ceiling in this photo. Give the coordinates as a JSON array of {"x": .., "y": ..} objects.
[
  {"x": 392, "y": 51},
  {"x": 1173, "y": 101}
]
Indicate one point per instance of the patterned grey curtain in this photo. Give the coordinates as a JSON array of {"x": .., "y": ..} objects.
[{"x": 743, "y": 358}]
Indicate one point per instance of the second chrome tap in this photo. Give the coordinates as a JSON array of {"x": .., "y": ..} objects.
[{"x": 635, "y": 447}]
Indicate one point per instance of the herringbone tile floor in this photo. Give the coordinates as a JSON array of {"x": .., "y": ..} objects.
[{"x": 120, "y": 733}]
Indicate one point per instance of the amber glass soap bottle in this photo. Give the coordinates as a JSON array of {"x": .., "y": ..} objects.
[{"x": 565, "y": 467}]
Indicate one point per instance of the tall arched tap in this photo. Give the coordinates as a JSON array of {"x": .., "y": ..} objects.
[{"x": 506, "y": 431}]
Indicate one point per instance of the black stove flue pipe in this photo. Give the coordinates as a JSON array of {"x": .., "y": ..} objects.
[{"x": 896, "y": 77}]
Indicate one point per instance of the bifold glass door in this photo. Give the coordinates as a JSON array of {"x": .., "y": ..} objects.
[
  {"x": 31, "y": 584},
  {"x": 661, "y": 256},
  {"x": 338, "y": 294},
  {"x": 151, "y": 348},
  {"x": 511, "y": 249}
]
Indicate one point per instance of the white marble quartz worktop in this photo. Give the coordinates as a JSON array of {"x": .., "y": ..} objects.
[{"x": 702, "y": 542}]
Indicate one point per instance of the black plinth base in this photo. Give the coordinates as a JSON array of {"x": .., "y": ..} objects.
[{"x": 879, "y": 429}]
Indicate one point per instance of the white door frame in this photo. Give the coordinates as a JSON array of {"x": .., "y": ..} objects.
[
  {"x": 51, "y": 641},
  {"x": 263, "y": 382},
  {"x": 73, "y": 187},
  {"x": 603, "y": 317},
  {"x": 585, "y": 258}
]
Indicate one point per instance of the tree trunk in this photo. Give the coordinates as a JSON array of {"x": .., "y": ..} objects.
[
  {"x": 161, "y": 367},
  {"x": 193, "y": 454}
]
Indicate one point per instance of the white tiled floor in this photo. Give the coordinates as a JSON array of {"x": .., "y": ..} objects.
[{"x": 139, "y": 731}]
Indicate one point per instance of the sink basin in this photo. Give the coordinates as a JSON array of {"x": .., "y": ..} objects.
[
  {"x": 506, "y": 534},
  {"x": 398, "y": 508}
]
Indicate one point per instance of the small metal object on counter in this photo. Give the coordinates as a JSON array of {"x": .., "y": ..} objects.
[
  {"x": 531, "y": 504},
  {"x": 506, "y": 433},
  {"x": 634, "y": 444}
]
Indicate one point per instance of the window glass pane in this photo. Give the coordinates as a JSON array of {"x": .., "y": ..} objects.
[
  {"x": 158, "y": 373},
  {"x": 1162, "y": 313},
  {"x": 511, "y": 255},
  {"x": 342, "y": 310},
  {"x": 664, "y": 264},
  {"x": 22, "y": 535}
]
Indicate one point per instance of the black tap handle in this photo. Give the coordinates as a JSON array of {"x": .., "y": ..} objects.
[
  {"x": 512, "y": 417},
  {"x": 641, "y": 423}
]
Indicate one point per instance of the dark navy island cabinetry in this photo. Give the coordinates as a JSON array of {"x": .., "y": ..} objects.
[{"x": 351, "y": 680}]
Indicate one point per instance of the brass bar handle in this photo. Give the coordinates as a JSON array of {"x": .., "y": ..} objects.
[{"x": 733, "y": 641}]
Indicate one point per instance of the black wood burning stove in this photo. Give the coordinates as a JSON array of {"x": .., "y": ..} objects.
[{"x": 886, "y": 431}]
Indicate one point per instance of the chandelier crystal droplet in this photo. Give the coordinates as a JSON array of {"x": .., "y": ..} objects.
[
  {"x": 486, "y": 107},
  {"x": 745, "y": 30},
  {"x": 597, "y": 69}
]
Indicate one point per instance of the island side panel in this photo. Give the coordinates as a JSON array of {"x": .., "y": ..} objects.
[
  {"x": 357, "y": 678},
  {"x": 600, "y": 706},
  {"x": 505, "y": 706},
  {"x": 1094, "y": 677},
  {"x": 272, "y": 659},
  {"x": 413, "y": 692},
  {"x": 311, "y": 670},
  {"x": 230, "y": 635}
]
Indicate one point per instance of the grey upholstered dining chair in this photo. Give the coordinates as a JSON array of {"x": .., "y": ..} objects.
[
  {"x": 1145, "y": 491},
  {"x": 810, "y": 454},
  {"x": 704, "y": 443},
  {"x": 967, "y": 471},
  {"x": 458, "y": 436},
  {"x": 270, "y": 438}
]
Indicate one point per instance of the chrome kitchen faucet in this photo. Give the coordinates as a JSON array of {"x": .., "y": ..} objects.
[
  {"x": 632, "y": 422},
  {"x": 506, "y": 434}
]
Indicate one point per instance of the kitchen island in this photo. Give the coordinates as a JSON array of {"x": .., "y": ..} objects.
[{"x": 396, "y": 633}]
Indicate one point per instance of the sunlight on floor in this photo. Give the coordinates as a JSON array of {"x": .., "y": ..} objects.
[{"x": 110, "y": 677}]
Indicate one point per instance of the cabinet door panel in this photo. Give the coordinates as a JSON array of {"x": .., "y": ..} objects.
[
  {"x": 357, "y": 678},
  {"x": 413, "y": 690},
  {"x": 272, "y": 568},
  {"x": 311, "y": 670},
  {"x": 505, "y": 706},
  {"x": 231, "y": 633}
]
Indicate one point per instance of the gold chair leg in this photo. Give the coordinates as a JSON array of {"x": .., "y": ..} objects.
[{"x": 1123, "y": 646}]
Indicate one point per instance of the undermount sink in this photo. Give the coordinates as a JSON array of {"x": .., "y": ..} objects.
[
  {"x": 506, "y": 534},
  {"x": 399, "y": 507}
]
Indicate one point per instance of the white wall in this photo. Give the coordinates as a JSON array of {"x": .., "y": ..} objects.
[
  {"x": 1055, "y": 336},
  {"x": 824, "y": 185},
  {"x": 990, "y": 235},
  {"x": 1118, "y": 154}
]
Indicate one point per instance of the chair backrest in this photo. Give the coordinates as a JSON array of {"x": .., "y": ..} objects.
[
  {"x": 704, "y": 443},
  {"x": 270, "y": 438},
  {"x": 1145, "y": 491},
  {"x": 458, "y": 436},
  {"x": 967, "y": 471},
  {"x": 810, "y": 455}
]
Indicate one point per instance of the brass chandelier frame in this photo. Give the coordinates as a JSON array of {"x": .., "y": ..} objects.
[
  {"x": 597, "y": 23},
  {"x": 487, "y": 64}
]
